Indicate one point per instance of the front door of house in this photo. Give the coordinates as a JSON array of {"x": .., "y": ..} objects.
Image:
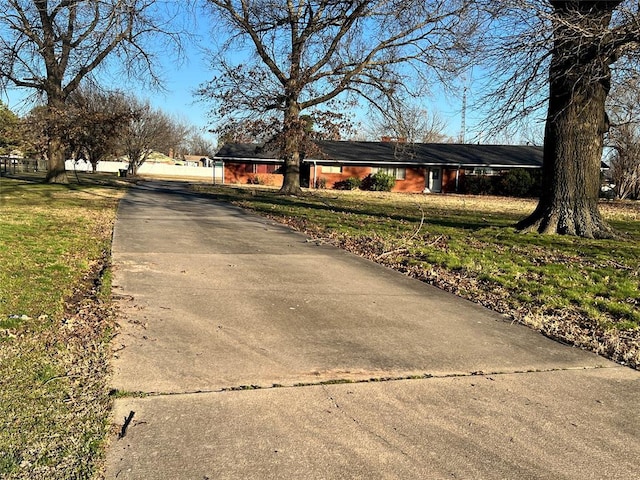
[
  {"x": 434, "y": 180},
  {"x": 305, "y": 175}
]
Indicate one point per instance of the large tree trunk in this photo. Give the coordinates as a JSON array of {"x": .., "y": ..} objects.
[
  {"x": 293, "y": 138},
  {"x": 56, "y": 172},
  {"x": 291, "y": 180},
  {"x": 57, "y": 124},
  {"x": 579, "y": 81}
]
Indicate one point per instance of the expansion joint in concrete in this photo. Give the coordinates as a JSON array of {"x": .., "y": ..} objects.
[{"x": 117, "y": 394}]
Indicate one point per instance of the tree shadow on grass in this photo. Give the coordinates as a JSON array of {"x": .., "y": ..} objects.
[
  {"x": 36, "y": 192},
  {"x": 458, "y": 219},
  {"x": 489, "y": 226}
]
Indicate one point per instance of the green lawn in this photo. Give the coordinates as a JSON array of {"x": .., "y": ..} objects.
[
  {"x": 585, "y": 292},
  {"x": 55, "y": 318},
  {"x": 55, "y": 244}
]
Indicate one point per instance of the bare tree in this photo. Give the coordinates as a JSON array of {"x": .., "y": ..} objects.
[
  {"x": 559, "y": 53},
  {"x": 318, "y": 125},
  {"x": 257, "y": 130},
  {"x": 100, "y": 118},
  {"x": 51, "y": 46},
  {"x": 624, "y": 136},
  {"x": 307, "y": 53},
  {"x": 41, "y": 123},
  {"x": 624, "y": 168},
  {"x": 198, "y": 144},
  {"x": 408, "y": 123},
  {"x": 149, "y": 130},
  {"x": 176, "y": 140}
]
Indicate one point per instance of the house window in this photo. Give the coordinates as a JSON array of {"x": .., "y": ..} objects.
[
  {"x": 397, "y": 173},
  {"x": 265, "y": 168},
  {"x": 331, "y": 169},
  {"x": 483, "y": 171}
]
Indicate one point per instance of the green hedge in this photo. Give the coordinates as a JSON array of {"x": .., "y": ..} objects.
[
  {"x": 517, "y": 182},
  {"x": 378, "y": 182}
]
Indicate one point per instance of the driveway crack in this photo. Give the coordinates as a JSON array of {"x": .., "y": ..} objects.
[{"x": 340, "y": 381}]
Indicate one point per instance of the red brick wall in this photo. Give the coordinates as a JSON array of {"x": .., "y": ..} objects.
[
  {"x": 414, "y": 179},
  {"x": 448, "y": 181},
  {"x": 413, "y": 182},
  {"x": 237, "y": 172},
  {"x": 247, "y": 173},
  {"x": 333, "y": 178}
]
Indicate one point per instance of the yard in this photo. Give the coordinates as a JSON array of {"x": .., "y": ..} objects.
[
  {"x": 55, "y": 324},
  {"x": 56, "y": 319},
  {"x": 579, "y": 291}
]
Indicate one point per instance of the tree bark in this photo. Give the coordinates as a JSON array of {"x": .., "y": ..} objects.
[
  {"x": 291, "y": 180},
  {"x": 293, "y": 136},
  {"x": 579, "y": 80},
  {"x": 56, "y": 172},
  {"x": 57, "y": 124}
]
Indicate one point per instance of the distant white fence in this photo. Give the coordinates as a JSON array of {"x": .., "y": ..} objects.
[
  {"x": 21, "y": 165},
  {"x": 150, "y": 168}
]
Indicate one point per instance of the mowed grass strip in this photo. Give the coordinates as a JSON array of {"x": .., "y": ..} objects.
[
  {"x": 584, "y": 292},
  {"x": 55, "y": 244}
]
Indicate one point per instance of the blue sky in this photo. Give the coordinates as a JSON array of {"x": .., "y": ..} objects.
[
  {"x": 183, "y": 79},
  {"x": 180, "y": 81}
]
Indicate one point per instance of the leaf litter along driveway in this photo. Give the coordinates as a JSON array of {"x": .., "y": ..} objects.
[
  {"x": 218, "y": 301},
  {"x": 578, "y": 291}
]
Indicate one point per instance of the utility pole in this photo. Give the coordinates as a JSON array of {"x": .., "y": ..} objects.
[{"x": 463, "y": 122}]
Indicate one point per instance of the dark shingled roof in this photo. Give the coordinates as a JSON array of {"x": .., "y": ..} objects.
[
  {"x": 402, "y": 154},
  {"x": 246, "y": 152}
]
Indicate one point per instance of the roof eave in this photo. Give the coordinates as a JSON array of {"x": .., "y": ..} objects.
[{"x": 415, "y": 164}]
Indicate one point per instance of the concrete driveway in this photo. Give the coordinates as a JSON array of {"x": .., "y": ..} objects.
[{"x": 247, "y": 351}]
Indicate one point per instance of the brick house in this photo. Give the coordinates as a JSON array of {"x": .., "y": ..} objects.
[{"x": 417, "y": 167}]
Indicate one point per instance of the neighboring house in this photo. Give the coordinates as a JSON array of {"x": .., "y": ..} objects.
[
  {"x": 198, "y": 161},
  {"x": 417, "y": 167}
]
